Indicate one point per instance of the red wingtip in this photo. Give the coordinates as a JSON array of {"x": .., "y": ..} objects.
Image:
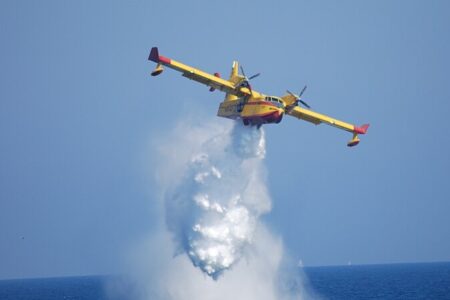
[
  {"x": 154, "y": 55},
  {"x": 362, "y": 129}
]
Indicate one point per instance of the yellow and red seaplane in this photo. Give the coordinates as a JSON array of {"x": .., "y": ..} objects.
[{"x": 252, "y": 107}]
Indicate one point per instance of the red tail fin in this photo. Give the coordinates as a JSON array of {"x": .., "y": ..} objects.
[{"x": 362, "y": 129}]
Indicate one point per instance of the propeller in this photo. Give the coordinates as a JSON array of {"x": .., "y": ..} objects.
[
  {"x": 246, "y": 79},
  {"x": 298, "y": 97}
]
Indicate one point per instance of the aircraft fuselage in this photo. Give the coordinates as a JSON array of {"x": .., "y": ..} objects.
[{"x": 254, "y": 111}]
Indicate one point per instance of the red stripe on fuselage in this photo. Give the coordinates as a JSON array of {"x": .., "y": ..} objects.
[
  {"x": 261, "y": 103},
  {"x": 164, "y": 59}
]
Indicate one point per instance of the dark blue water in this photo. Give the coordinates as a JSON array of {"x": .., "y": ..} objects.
[
  {"x": 395, "y": 281},
  {"x": 70, "y": 288},
  {"x": 392, "y": 281}
]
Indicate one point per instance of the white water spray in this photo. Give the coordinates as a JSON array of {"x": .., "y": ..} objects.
[
  {"x": 214, "y": 211},
  {"x": 213, "y": 184}
]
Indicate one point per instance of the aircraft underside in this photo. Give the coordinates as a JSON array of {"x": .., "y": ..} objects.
[
  {"x": 256, "y": 113},
  {"x": 273, "y": 117}
]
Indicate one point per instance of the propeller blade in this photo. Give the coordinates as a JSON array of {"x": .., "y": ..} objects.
[
  {"x": 291, "y": 93},
  {"x": 248, "y": 78},
  {"x": 301, "y": 93},
  {"x": 304, "y": 103},
  {"x": 297, "y": 98},
  {"x": 254, "y": 76},
  {"x": 242, "y": 71}
]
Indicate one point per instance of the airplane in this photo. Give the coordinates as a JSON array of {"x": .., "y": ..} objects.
[{"x": 242, "y": 102}]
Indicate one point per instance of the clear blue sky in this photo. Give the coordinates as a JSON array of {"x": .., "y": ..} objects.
[{"x": 78, "y": 113}]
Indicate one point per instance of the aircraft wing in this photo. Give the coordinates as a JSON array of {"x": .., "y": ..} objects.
[
  {"x": 317, "y": 118},
  {"x": 212, "y": 80}
]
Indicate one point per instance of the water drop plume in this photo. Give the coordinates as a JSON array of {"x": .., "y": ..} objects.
[
  {"x": 211, "y": 243},
  {"x": 213, "y": 210}
]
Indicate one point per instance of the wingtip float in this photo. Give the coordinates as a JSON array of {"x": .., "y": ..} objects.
[{"x": 252, "y": 107}]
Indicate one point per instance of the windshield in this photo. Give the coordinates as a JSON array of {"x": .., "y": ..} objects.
[{"x": 275, "y": 100}]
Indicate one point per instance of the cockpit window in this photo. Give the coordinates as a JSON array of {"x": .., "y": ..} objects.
[{"x": 275, "y": 101}]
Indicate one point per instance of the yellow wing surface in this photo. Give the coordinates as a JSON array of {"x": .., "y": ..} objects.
[
  {"x": 212, "y": 80},
  {"x": 317, "y": 118}
]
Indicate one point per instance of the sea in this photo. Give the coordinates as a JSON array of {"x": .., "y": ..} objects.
[{"x": 387, "y": 281}]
